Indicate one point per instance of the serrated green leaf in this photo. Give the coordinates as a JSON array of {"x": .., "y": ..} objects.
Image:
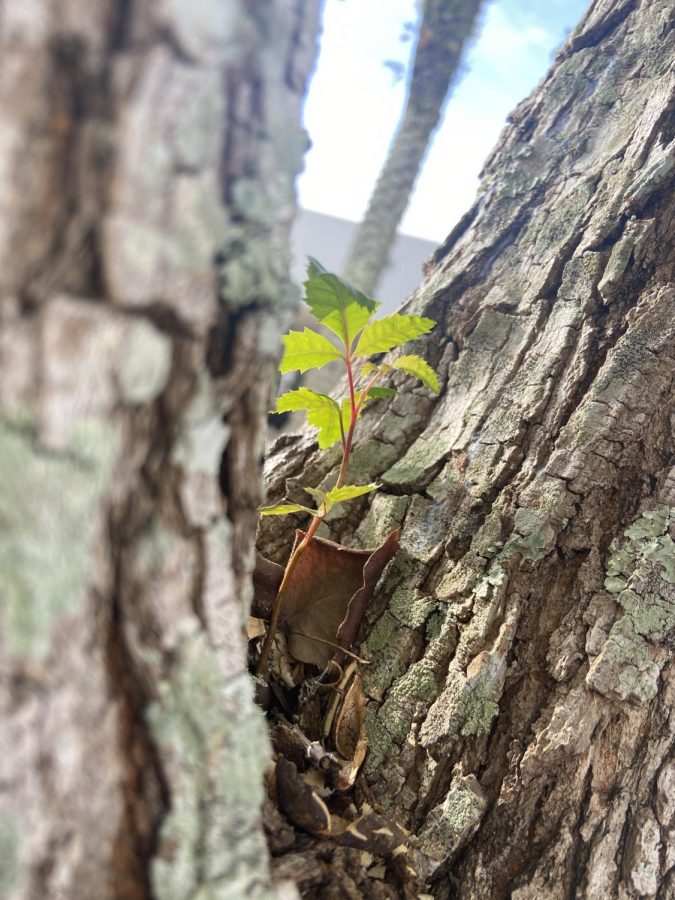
[
  {"x": 322, "y": 412},
  {"x": 302, "y": 398},
  {"x": 419, "y": 368},
  {"x": 379, "y": 393},
  {"x": 305, "y": 350},
  {"x": 349, "y": 491},
  {"x": 338, "y": 305},
  {"x": 384, "y": 334},
  {"x": 283, "y": 509},
  {"x": 315, "y": 268},
  {"x": 317, "y": 494},
  {"x": 368, "y": 368}
]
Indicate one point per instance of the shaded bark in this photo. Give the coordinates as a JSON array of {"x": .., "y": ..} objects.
[
  {"x": 521, "y": 688},
  {"x": 445, "y": 28},
  {"x": 148, "y": 158}
]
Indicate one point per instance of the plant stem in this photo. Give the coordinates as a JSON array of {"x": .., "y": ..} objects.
[
  {"x": 263, "y": 662},
  {"x": 347, "y": 444}
]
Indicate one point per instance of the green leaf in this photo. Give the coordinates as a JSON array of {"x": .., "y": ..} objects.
[
  {"x": 338, "y": 305},
  {"x": 391, "y": 331},
  {"x": 322, "y": 412},
  {"x": 317, "y": 494},
  {"x": 315, "y": 268},
  {"x": 419, "y": 368},
  {"x": 349, "y": 491},
  {"x": 283, "y": 509},
  {"x": 368, "y": 368},
  {"x": 305, "y": 350},
  {"x": 379, "y": 393}
]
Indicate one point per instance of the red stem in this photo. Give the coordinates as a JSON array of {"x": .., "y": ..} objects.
[{"x": 355, "y": 409}]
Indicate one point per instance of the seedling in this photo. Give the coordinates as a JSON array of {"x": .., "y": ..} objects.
[{"x": 356, "y": 337}]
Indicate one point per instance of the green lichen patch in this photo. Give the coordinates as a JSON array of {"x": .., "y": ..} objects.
[
  {"x": 213, "y": 744},
  {"x": 641, "y": 572},
  {"x": 49, "y": 508},
  {"x": 145, "y": 364},
  {"x": 532, "y": 534},
  {"x": 386, "y": 513},
  {"x": 434, "y": 627},
  {"x": 580, "y": 274},
  {"x": 495, "y": 578},
  {"x": 9, "y": 853},
  {"x": 477, "y": 709},
  {"x": 368, "y": 460},
  {"x": 380, "y": 744},
  {"x": 615, "y": 584},
  {"x": 200, "y": 444},
  {"x": 488, "y": 539},
  {"x": 417, "y": 466},
  {"x": 531, "y": 547},
  {"x": 451, "y": 824},
  {"x": 624, "y": 669},
  {"x": 652, "y": 523},
  {"x": 652, "y": 615},
  {"x": 410, "y": 607},
  {"x": 417, "y": 685},
  {"x": 478, "y": 701},
  {"x": 389, "y": 646}
]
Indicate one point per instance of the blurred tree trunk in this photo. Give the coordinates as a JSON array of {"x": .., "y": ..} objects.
[
  {"x": 445, "y": 27},
  {"x": 522, "y": 687},
  {"x": 147, "y": 166}
]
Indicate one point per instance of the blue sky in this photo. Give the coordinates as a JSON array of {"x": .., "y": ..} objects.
[{"x": 353, "y": 106}]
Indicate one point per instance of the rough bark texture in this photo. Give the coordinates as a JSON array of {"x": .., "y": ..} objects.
[
  {"x": 521, "y": 716},
  {"x": 445, "y": 28},
  {"x": 147, "y": 165}
]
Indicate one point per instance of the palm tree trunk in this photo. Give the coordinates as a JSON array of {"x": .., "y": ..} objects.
[{"x": 445, "y": 28}]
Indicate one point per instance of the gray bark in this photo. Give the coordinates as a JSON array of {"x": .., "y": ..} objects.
[
  {"x": 445, "y": 28},
  {"x": 521, "y": 716},
  {"x": 147, "y": 166}
]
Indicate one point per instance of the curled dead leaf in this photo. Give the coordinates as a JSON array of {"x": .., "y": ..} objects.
[
  {"x": 348, "y": 726},
  {"x": 299, "y": 802},
  {"x": 376, "y": 834},
  {"x": 255, "y": 628},
  {"x": 327, "y": 596}
]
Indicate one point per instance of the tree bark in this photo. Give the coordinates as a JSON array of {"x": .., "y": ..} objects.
[
  {"x": 148, "y": 158},
  {"x": 445, "y": 28},
  {"x": 521, "y": 683}
]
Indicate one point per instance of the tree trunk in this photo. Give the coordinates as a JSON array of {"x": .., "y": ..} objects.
[
  {"x": 521, "y": 688},
  {"x": 445, "y": 28},
  {"x": 148, "y": 158}
]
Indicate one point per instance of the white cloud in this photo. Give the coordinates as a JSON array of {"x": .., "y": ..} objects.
[{"x": 353, "y": 108}]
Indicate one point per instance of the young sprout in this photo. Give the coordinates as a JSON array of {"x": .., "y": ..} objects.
[{"x": 348, "y": 314}]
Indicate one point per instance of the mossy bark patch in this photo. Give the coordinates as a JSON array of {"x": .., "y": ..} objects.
[{"x": 50, "y": 514}]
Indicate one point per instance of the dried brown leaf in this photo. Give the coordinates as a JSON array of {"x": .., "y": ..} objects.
[
  {"x": 348, "y": 725},
  {"x": 299, "y": 802},
  {"x": 327, "y": 596},
  {"x": 374, "y": 833},
  {"x": 378, "y": 559}
]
